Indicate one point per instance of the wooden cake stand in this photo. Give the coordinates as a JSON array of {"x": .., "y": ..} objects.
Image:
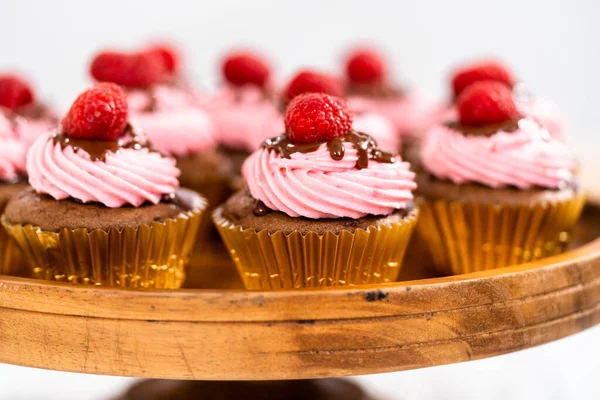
[{"x": 231, "y": 334}]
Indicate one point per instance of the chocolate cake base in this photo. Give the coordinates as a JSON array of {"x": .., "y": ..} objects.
[
  {"x": 9, "y": 190},
  {"x": 239, "y": 209},
  {"x": 432, "y": 188},
  {"x": 52, "y": 215},
  {"x": 314, "y": 389}
]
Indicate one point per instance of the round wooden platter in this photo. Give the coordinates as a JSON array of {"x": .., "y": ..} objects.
[{"x": 232, "y": 334}]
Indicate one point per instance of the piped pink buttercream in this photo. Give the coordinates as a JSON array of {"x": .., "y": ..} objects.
[
  {"x": 128, "y": 176},
  {"x": 380, "y": 128},
  {"x": 313, "y": 185},
  {"x": 12, "y": 152},
  {"x": 410, "y": 114},
  {"x": 176, "y": 125},
  {"x": 244, "y": 117},
  {"x": 525, "y": 158}
]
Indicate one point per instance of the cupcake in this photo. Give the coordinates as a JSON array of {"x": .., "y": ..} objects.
[
  {"x": 370, "y": 88},
  {"x": 542, "y": 110},
  {"x": 170, "y": 116},
  {"x": 104, "y": 207},
  {"x": 28, "y": 116},
  {"x": 373, "y": 124},
  {"x": 323, "y": 206},
  {"x": 244, "y": 109},
  {"x": 498, "y": 189}
]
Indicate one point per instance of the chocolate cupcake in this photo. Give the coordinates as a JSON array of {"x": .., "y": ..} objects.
[
  {"x": 497, "y": 189},
  {"x": 104, "y": 207},
  {"x": 375, "y": 125},
  {"x": 169, "y": 113},
  {"x": 12, "y": 181},
  {"x": 22, "y": 119},
  {"x": 369, "y": 88},
  {"x": 323, "y": 207},
  {"x": 243, "y": 108}
]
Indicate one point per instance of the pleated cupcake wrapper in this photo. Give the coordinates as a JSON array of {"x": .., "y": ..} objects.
[
  {"x": 285, "y": 261},
  {"x": 215, "y": 191},
  {"x": 148, "y": 256},
  {"x": 469, "y": 237},
  {"x": 11, "y": 257}
]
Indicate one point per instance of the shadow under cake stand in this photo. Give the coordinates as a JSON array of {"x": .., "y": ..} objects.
[{"x": 229, "y": 334}]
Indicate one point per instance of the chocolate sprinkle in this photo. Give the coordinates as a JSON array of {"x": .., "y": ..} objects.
[
  {"x": 364, "y": 144},
  {"x": 98, "y": 149}
]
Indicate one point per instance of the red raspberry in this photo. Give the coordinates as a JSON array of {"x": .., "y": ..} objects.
[
  {"x": 316, "y": 117},
  {"x": 486, "y": 102},
  {"x": 169, "y": 56},
  {"x": 130, "y": 70},
  {"x": 365, "y": 66},
  {"x": 481, "y": 71},
  {"x": 99, "y": 113},
  {"x": 246, "y": 68},
  {"x": 14, "y": 92},
  {"x": 307, "y": 81}
]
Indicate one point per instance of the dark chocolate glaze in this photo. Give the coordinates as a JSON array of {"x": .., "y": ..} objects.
[
  {"x": 364, "y": 144},
  {"x": 485, "y": 130},
  {"x": 377, "y": 90},
  {"x": 98, "y": 149},
  {"x": 260, "y": 209}
]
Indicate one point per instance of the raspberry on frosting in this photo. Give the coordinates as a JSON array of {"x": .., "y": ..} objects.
[
  {"x": 481, "y": 71},
  {"x": 245, "y": 68},
  {"x": 99, "y": 113},
  {"x": 169, "y": 56},
  {"x": 486, "y": 102},
  {"x": 308, "y": 81},
  {"x": 365, "y": 66},
  {"x": 14, "y": 92},
  {"x": 133, "y": 70},
  {"x": 316, "y": 117}
]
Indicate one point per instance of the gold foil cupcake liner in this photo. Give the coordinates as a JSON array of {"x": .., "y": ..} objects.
[
  {"x": 285, "y": 261},
  {"x": 11, "y": 259},
  {"x": 469, "y": 237},
  {"x": 148, "y": 256}
]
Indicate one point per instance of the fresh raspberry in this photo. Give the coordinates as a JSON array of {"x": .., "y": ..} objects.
[
  {"x": 481, "y": 71},
  {"x": 14, "y": 92},
  {"x": 130, "y": 70},
  {"x": 365, "y": 66},
  {"x": 307, "y": 81},
  {"x": 486, "y": 102},
  {"x": 169, "y": 56},
  {"x": 246, "y": 68},
  {"x": 99, "y": 113},
  {"x": 316, "y": 117}
]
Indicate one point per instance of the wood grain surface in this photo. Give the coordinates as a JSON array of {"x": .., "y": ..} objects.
[{"x": 231, "y": 334}]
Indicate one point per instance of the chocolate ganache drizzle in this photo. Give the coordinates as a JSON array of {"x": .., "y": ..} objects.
[
  {"x": 512, "y": 125},
  {"x": 98, "y": 149},
  {"x": 364, "y": 144}
]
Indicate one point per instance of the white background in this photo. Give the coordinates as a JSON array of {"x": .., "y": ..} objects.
[{"x": 551, "y": 44}]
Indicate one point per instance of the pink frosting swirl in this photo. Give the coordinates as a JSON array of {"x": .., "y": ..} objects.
[
  {"x": 380, "y": 128},
  {"x": 313, "y": 185},
  {"x": 410, "y": 114},
  {"x": 244, "y": 117},
  {"x": 525, "y": 158},
  {"x": 12, "y": 152},
  {"x": 176, "y": 125},
  {"x": 548, "y": 115},
  {"x": 128, "y": 176}
]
